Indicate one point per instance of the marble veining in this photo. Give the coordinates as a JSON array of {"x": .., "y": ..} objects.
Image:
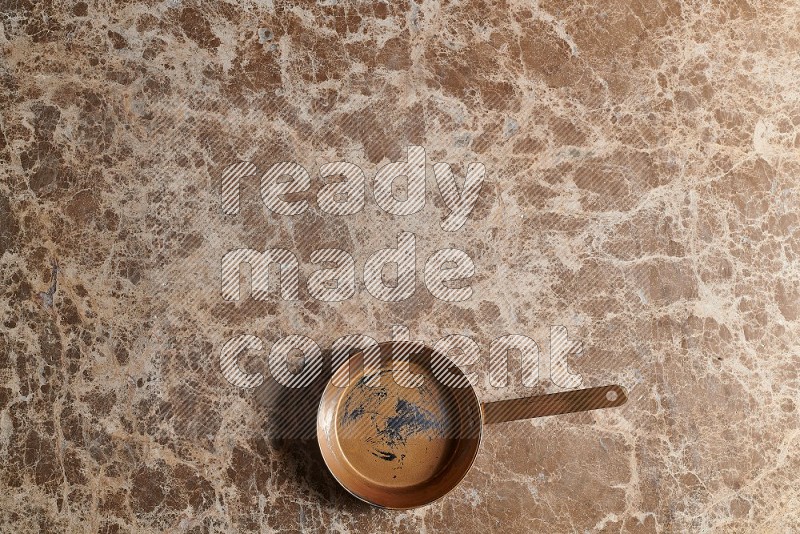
[{"x": 642, "y": 191}]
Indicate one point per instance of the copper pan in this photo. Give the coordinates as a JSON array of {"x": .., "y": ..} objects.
[{"x": 400, "y": 426}]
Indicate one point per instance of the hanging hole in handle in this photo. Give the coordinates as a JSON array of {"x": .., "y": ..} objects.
[{"x": 611, "y": 396}]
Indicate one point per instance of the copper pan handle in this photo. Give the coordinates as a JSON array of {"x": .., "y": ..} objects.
[{"x": 579, "y": 400}]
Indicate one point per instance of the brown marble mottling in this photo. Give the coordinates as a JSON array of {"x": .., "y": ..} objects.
[{"x": 643, "y": 161}]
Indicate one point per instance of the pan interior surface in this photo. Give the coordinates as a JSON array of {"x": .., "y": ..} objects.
[{"x": 396, "y": 436}]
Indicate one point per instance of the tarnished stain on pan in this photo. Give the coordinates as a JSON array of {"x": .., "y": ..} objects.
[{"x": 393, "y": 416}]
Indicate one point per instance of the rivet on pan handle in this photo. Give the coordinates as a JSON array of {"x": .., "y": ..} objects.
[{"x": 579, "y": 400}]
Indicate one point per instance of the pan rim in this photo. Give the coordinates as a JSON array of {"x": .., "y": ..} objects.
[{"x": 321, "y": 434}]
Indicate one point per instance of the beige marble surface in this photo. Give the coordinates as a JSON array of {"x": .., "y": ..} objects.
[{"x": 642, "y": 190}]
